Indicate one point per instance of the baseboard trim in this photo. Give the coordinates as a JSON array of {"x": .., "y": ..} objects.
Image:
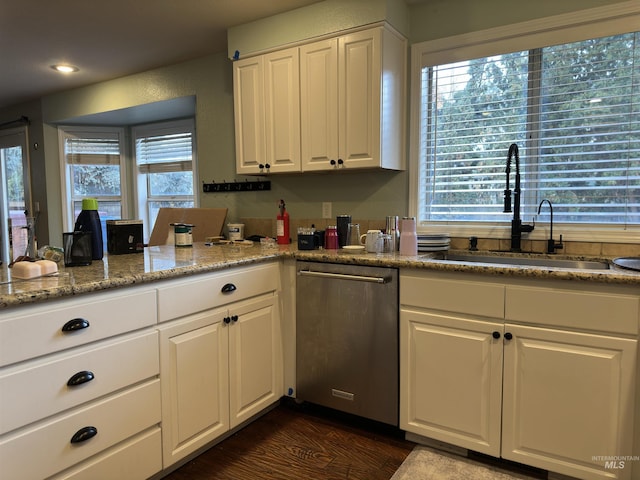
[{"x": 438, "y": 445}]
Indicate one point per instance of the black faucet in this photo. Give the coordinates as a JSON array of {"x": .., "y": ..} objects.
[
  {"x": 517, "y": 228},
  {"x": 552, "y": 246}
]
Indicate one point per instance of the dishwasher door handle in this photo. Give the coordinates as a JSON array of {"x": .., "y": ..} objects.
[{"x": 344, "y": 276}]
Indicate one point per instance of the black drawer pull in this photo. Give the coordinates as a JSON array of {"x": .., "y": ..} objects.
[
  {"x": 234, "y": 318},
  {"x": 228, "y": 288},
  {"x": 227, "y": 320},
  {"x": 80, "y": 378},
  {"x": 75, "y": 324},
  {"x": 84, "y": 434}
]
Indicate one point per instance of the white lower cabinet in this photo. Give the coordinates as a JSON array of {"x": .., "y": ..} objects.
[
  {"x": 96, "y": 427},
  {"x": 451, "y": 379},
  {"x": 195, "y": 383},
  {"x": 568, "y": 398},
  {"x": 123, "y": 384},
  {"x": 522, "y": 388},
  {"x": 221, "y": 366},
  {"x": 136, "y": 458},
  {"x": 79, "y": 388}
]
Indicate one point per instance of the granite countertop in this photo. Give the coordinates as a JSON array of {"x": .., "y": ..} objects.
[{"x": 165, "y": 262}]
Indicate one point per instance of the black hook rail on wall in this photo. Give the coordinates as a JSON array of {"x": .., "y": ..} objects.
[{"x": 247, "y": 186}]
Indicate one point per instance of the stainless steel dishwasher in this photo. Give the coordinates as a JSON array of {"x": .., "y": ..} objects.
[{"x": 347, "y": 338}]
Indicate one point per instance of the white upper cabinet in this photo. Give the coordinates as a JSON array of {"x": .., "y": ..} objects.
[
  {"x": 337, "y": 103},
  {"x": 319, "y": 104},
  {"x": 282, "y": 110},
  {"x": 267, "y": 113},
  {"x": 248, "y": 81}
]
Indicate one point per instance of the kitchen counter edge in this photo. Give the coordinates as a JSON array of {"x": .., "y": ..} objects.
[{"x": 162, "y": 263}]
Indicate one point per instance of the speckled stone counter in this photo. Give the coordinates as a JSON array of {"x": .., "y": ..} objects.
[
  {"x": 434, "y": 261},
  {"x": 165, "y": 262},
  {"x": 156, "y": 263}
]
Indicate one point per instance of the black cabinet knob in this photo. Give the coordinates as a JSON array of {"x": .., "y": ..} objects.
[
  {"x": 332, "y": 162},
  {"x": 496, "y": 335},
  {"x": 340, "y": 161},
  {"x": 80, "y": 378},
  {"x": 234, "y": 318},
  {"x": 261, "y": 166},
  {"x": 267, "y": 166},
  {"x": 508, "y": 336},
  {"x": 75, "y": 324},
  {"x": 226, "y": 320},
  {"x": 228, "y": 288},
  {"x": 84, "y": 434}
]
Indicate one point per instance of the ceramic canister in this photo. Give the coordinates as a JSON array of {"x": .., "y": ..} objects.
[
  {"x": 408, "y": 236},
  {"x": 236, "y": 231}
]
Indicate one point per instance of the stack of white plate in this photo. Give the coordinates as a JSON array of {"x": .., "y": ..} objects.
[{"x": 435, "y": 242}]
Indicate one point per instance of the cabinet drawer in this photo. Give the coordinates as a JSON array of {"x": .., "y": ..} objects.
[
  {"x": 137, "y": 458},
  {"x": 452, "y": 294},
  {"x": 177, "y": 299},
  {"x": 582, "y": 310},
  {"x": 45, "y": 449},
  {"x": 37, "y": 389},
  {"x": 29, "y": 332}
]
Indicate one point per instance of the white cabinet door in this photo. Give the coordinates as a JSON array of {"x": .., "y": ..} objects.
[
  {"x": 451, "y": 379},
  {"x": 248, "y": 86},
  {"x": 352, "y": 101},
  {"x": 319, "y": 104},
  {"x": 567, "y": 399},
  {"x": 218, "y": 368},
  {"x": 282, "y": 111},
  {"x": 255, "y": 358},
  {"x": 359, "y": 75},
  {"x": 195, "y": 383},
  {"x": 267, "y": 113}
]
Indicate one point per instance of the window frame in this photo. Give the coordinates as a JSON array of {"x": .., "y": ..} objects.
[
  {"x": 68, "y": 214},
  {"x": 10, "y": 138},
  {"x": 565, "y": 28},
  {"x": 141, "y": 180}
]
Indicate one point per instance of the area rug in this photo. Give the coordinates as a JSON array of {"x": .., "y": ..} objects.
[{"x": 424, "y": 463}]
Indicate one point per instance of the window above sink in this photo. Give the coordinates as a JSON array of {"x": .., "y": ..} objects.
[{"x": 587, "y": 170}]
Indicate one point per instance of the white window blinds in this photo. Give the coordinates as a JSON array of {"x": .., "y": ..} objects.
[
  {"x": 93, "y": 158},
  {"x": 167, "y": 149},
  {"x": 573, "y": 110},
  {"x": 92, "y": 149}
]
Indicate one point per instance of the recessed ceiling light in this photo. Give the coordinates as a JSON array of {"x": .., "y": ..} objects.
[{"x": 63, "y": 68}]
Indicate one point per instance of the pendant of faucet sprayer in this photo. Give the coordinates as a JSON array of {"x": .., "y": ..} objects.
[{"x": 517, "y": 228}]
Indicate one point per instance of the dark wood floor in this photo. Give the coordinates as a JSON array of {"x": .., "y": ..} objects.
[{"x": 302, "y": 442}]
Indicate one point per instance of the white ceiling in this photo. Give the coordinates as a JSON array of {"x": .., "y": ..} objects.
[{"x": 108, "y": 39}]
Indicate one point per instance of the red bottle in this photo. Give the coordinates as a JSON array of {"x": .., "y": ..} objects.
[
  {"x": 331, "y": 238},
  {"x": 282, "y": 225}
]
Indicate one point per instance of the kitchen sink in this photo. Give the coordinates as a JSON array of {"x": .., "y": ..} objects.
[{"x": 527, "y": 261}]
